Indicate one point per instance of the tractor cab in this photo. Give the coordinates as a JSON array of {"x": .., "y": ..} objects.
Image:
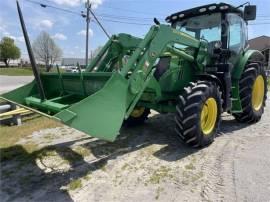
[{"x": 220, "y": 25}]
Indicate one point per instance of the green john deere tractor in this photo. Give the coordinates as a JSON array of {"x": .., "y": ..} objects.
[{"x": 197, "y": 66}]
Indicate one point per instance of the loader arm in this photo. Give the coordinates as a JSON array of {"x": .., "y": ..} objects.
[{"x": 159, "y": 39}]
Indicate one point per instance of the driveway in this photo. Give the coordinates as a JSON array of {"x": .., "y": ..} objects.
[{"x": 8, "y": 83}]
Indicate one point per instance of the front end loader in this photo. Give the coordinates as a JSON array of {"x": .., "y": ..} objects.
[{"x": 196, "y": 66}]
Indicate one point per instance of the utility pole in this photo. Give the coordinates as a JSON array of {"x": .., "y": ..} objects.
[{"x": 88, "y": 7}]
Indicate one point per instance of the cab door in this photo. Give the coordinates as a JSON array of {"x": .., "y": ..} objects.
[{"x": 237, "y": 37}]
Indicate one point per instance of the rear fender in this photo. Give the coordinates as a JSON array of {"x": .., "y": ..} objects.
[
  {"x": 250, "y": 55},
  {"x": 253, "y": 55}
]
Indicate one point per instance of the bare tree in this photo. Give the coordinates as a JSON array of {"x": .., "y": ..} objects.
[{"x": 46, "y": 50}]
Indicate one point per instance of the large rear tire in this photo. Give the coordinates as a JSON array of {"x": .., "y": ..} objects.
[
  {"x": 198, "y": 113},
  {"x": 253, "y": 90}
]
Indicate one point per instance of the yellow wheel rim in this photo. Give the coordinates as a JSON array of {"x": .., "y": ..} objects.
[
  {"x": 258, "y": 93},
  {"x": 209, "y": 116},
  {"x": 137, "y": 112}
]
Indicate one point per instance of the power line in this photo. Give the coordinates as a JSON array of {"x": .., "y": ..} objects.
[
  {"x": 263, "y": 16},
  {"x": 266, "y": 23},
  {"x": 54, "y": 7},
  {"x": 126, "y": 19},
  {"x": 123, "y": 22},
  {"x": 123, "y": 17},
  {"x": 132, "y": 11},
  {"x": 98, "y": 14},
  {"x": 83, "y": 15}
]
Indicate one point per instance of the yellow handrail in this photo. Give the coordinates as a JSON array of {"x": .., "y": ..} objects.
[{"x": 15, "y": 112}]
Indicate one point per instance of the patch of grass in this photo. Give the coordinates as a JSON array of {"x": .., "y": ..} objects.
[
  {"x": 30, "y": 147},
  {"x": 16, "y": 71},
  {"x": 87, "y": 176},
  {"x": 125, "y": 166},
  {"x": 11, "y": 134},
  {"x": 47, "y": 153},
  {"x": 159, "y": 190},
  {"x": 75, "y": 184},
  {"x": 49, "y": 137},
  {"x": 190, "y": 166},
  {"x": 23, "y": 71},
  {"x": 67, "y": 155},
  {"x": 103, "y": 168},
  {"x": 82, "y": 151},
  {"x": 196, "y": 176},
  {"x": 190, "y": 177},
  {"x": 160, "y": 174}
]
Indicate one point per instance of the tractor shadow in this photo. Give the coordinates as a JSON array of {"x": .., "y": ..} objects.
[
  {"x": 22, "y": 179},
  {"x": 230, "y": 125}
]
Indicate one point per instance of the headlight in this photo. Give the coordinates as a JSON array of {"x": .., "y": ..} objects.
[
  {"x": 181, "y": 15},
  {"x": 174, "y": 17},
  {"x": 212, "y": 8},
  {"x": 224, "y": 7},
  {"x": 202, "y": 10}
]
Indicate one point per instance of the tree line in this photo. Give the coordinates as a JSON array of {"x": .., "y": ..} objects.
[{"x": 44, "y": 47}]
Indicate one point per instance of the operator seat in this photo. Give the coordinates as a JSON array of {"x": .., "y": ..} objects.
[{"x": 162, "y": 66}]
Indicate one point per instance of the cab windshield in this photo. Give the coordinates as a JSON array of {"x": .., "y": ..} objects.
[{"x": 207, "y": 27}]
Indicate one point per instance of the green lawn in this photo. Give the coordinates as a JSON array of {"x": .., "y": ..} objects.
[
  {"x": 15, "y": 71},
  {"x": 9, "y": 135},
  {"x": 22, "y": 71}
]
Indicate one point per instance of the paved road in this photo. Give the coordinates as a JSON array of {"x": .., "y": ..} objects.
[{"x": 8, "y": 83}]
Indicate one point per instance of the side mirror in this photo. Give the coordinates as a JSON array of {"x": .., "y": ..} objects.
[{"x": 250, "y": 12}]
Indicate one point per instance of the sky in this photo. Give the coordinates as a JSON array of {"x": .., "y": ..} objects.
[{"x": 68, "y": 28}]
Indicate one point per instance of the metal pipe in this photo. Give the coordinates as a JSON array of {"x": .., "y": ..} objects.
[
  {"x": 133, "y": 59},
  {"x": 60, "y": 78},
  {"x": 31, "y": 55},
  {"x": 181, "y": 54},
  {"x": 4, "y": 108},
  {"x": 100, "y": 24},
  {"x": 98, "y": 57},
  {"x": 88, "y": 7}
]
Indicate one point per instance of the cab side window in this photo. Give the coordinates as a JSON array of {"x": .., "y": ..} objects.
[{"x": 237, "y": 38}]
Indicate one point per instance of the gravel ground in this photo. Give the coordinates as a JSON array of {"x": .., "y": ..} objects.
[
  {"x": 146, "y": 163},
  {"x": 8, "y": 83}
]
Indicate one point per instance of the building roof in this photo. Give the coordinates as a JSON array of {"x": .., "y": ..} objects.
[
  {"x": 260, "y": 43},
  {"x": 73, "y": 61}
]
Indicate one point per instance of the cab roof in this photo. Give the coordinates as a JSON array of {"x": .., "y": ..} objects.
[{"x": 202, "y": 10}]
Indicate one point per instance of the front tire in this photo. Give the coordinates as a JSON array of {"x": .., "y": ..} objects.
[
  {"x": 198, "y": 113},
  {"x": 138, "y": 116},
  {"x": 253, "y": 90}
]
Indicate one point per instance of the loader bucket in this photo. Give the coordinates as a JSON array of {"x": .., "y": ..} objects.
[{"x": 100, "y": 114}]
